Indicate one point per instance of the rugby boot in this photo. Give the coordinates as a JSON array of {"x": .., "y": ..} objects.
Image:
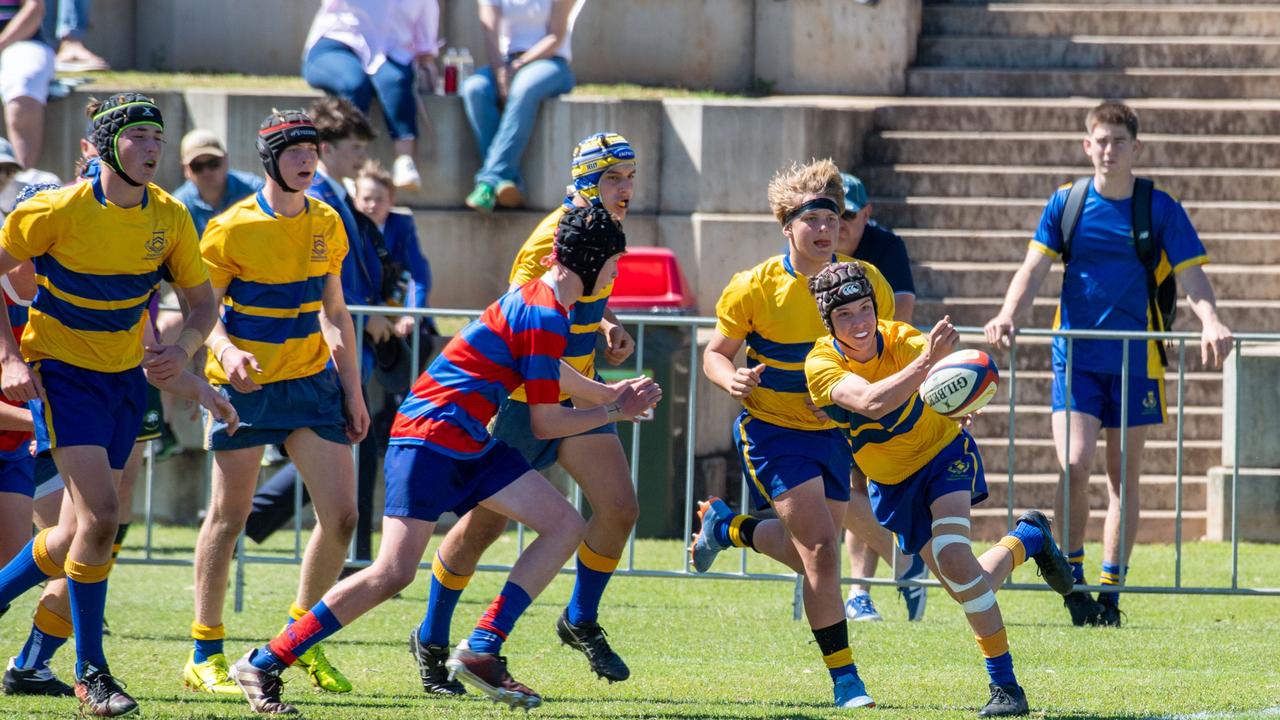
[
  {"x": 588, "y": 638},
  {"x": 431, "y": 669}
]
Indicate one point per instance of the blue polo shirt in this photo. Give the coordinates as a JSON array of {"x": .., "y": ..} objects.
[{"x": 240, "y": 185}]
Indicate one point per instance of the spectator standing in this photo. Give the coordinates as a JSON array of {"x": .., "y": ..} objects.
[
  {"x": 26, "y": 69},
  {"x": 863, "y": 239},
  {"x": 211, "y": 185},
  {"x": 526, "y": 43},
  {"x": 359, "y": 48}
]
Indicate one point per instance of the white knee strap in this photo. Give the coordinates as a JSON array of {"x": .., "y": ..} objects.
[
  {"x": 955, "y": 520},
  {"x": 957, "y": 589},
  {"x": 980, "y": 603},
  {"x": 941, "y": 541}
]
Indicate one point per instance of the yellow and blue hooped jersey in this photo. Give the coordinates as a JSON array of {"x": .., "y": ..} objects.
[
  {"x": 584, "y": 316},
  {"x": 891, "y": 448},
  {"x": 770, "y": 307},
  {"x": 97, "y": 266},
  {"x": 274, "y": 269}
]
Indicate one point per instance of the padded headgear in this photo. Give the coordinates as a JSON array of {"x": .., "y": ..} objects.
[
  {"x": 840, "y": 284},
  {"x": 585, "y": 239},
  {"x": 117, "y": 114},
  {"x": 280, "y": 130},
  {"x": 592, "y": 157}
]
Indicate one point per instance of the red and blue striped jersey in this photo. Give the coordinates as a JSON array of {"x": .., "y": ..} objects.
[{"x": 519, "y": 340}]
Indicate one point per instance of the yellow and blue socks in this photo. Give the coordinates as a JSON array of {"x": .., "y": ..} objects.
[
  {"x": 496, "y": 623},
  {"x": 30, "y": 567},
  {"x": 208, "y": 641},
  {"x": 296, "y": 639},
  {"x": 738, "y": 531},
  {"x": 1032, "y": 538},
  {"x": 446, "y": 588},
  {"x": 87, "y": 585},
  {"x": 1075, "y": 559},
  {"x": 49, "y": 631},
  {"x": 594, "y": 572},
  {"x": 1111, "y": 576},
  {"x": 833, "y": 641},
  {"x": 995, "y": 648}
]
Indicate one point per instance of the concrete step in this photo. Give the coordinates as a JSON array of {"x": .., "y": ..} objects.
[
  {"x": 1185, "y": 183},
  {"x": 1157, "y": 492},
  {"x": 976, "y": 279},
  {"x": 990, "y": 523},
  {"x": 1047, "y": 20},
  {"x": 928, "y": 3},
  {"x": 1062, "y": 149},
  {"x": 1024, "y": 213},
  {"x": 1239, "y": 315},
  {"x": 1034, "y": 421},
  {"x": 1034, "y": 386},
  {"x": 1159, "y": 457},
  {"x": 1164, "y": 115},
  {"x": 1172, "y": 82},
  {"x": 943, "y": 244},
  {"x": 1096, "y": 52}
]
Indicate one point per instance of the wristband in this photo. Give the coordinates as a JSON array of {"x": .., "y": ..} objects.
[
  {"x": 219, "y": 348},
  {"x": 190, "y": 341},
  {"x": 615, "y": 411}
]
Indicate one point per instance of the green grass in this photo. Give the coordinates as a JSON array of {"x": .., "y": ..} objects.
[{"x": 724, "y": 649}]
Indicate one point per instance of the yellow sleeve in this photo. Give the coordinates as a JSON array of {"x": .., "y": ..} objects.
[
  {"x": 213, "y": 248},
  {"x": 823, "y": 371},
  {"x": 528, "y": 262},
  {"x": 734, "y": 309},
  {"x": 30, "y": 229},
  {"x": 908, "y": 342},
  {"x": 184, "y": 260},
  {"x": 339, "y": 244}
]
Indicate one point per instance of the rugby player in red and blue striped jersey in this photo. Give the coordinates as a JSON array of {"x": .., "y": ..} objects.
[{"x": 442, "y": 458}]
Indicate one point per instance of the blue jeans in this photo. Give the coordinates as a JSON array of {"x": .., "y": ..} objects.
[
  {"x": 503, "y": 135},
  {"x": 334, "y": 68}
]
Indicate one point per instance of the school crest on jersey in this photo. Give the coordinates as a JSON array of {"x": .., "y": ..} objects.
[
  {"x": 319, "y": 248},
  {"x": 155, "y": 245},
  {"x": 958, "y": 468}
]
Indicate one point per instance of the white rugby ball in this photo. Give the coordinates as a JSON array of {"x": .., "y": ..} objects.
[{"x": 961, "y": 384}]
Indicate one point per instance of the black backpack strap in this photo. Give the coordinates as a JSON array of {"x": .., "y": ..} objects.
[
  {"x": 1144, "y": 243},
  {"x": 1071, "y": 213}
]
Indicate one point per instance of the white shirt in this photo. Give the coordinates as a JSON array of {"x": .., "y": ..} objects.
[
  {"x": 525, "y": 22},
  {"x": 378, "y": 29}
]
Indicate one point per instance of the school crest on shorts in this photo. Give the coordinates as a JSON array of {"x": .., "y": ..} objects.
[
  {"x": 1149, "y": 403},
  {"x": 155, "y": 245},
  {"x": 319, "y": 248}
]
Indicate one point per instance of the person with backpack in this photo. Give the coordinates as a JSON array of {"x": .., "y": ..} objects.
[{"x": 1123, "y": 242}]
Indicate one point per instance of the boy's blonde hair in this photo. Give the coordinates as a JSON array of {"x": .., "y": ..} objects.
[
  {"x": 1112, "y": 113},
  {"x": 373, "y": 170},
  {"x": 790, "y": 185}
]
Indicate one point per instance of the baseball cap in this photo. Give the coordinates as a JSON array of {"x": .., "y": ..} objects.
[
  {"x": 200, "y": 142},
  {"x": 6, "y": 153},
  {"x": 855, "y": 193}
]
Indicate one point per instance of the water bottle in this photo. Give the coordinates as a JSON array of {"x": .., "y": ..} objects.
[
  {"x": 466, "y": 66},
  {"x": 451, "y": 62}
]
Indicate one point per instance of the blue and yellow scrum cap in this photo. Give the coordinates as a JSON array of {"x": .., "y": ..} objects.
[
  {"x": 593, "y": 156},
  {"x": 117, "y": 114}
]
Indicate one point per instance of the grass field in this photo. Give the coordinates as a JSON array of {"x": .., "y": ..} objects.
[{"x": 726, "y": 648}]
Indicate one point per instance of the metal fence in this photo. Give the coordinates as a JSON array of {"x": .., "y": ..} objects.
[{"x": 679, "y": 566}]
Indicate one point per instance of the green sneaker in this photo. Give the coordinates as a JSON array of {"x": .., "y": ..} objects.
[
  {"x": 322, "y": 673},
  {"x": 482, "y": 198}
]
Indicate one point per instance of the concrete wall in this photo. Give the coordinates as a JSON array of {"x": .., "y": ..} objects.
[{"x": 796, "y": 46}]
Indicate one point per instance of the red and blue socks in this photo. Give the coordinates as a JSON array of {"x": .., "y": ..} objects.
[
  {"x": 995, "y": 648},
  {"x": 594, "y": 572},
  {"x": 499, "y": 619},
  {"x": 87, "y": 585},
  {"x": 833, "y": 641},
  {"x": 446, "y": 588},
  {"x": 296, "y": 639},
  {"x": 49, "y": 631}
]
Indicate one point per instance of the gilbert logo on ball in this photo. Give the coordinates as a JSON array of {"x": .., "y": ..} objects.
[{"x": 961, "y": 384}]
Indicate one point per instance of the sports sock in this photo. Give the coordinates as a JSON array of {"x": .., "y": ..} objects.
[
  {"x": 1111, "y": 576},
  {"x": 1075, "y": 559},
  {"x": 300, "y": 636},
  {"x": 833, "y": 642},
  {"x": 49, "y": 631},
  {"x": 1032, "y": 538},
  {"x": 296, "y": 612},
  {"x": 737, "y": 531},
  {"x": 446, "y": 588},
  {"x": 1016, "y": 548},
  {"x": 499, "y": 619},
  {"x": 87, "y": 585},
  {"x": 995, "y": 648},
  {"x": 30, "y": 567},
  {"x": 208, "y": 640},
  {"x": 594, "y": 572}
]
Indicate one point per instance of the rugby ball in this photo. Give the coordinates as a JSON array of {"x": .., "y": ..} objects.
[{"x": 963, "y": 383}]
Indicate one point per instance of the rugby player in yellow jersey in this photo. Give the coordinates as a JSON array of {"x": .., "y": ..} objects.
[
  {"x": 795, "y": 459},
  {"x": 99, "y": 248},
  {"x": 924, "y": 471},
  {"x": 603, "y": 170},
  {"x": 274, "y": 259}
]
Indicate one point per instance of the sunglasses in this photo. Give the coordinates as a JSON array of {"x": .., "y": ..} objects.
[{"x": 199, "y": 166}]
